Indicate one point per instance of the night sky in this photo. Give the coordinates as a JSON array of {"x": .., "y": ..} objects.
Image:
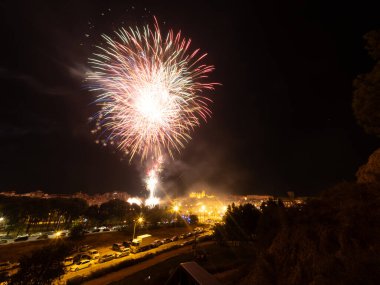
[{"x": 282, "y": 119}]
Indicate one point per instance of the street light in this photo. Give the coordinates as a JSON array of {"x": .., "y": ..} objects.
[
  {"x": 202, "y": 209},
  {"x": 176, "y": 210},
  {"x": 139, "y": 220}
]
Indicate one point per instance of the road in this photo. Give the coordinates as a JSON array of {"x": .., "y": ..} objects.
[
  {"x": 34, "y": 237},
  {"x": 98, "y": 266},
  {"x": 118, "y": 275}
]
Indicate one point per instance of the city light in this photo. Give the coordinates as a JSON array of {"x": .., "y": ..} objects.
[
  {"x": 134, "y": 200},
  {"x": 140, "y": 220},
  {"x": 176, "y": 208}
]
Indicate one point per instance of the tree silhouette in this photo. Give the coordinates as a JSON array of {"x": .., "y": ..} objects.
[
  {"x": 113, "y": 211},
  {"x": 331, "y": 240},
  {"x": 77, "y": 232},
  {"x": 370, "y": 172},
  {"x": 239, "y": 223},
  {"x": 366, "y": 97},
  {"x": 43, "y": 266},
  {"x": 193, "y": 219}
]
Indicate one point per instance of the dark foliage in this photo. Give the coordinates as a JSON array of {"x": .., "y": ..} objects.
[
  {"x": 43, "y": 266},
  {"x": 24, "y": 213},
  {"x": 76, "y": 232},
  {"x": 193, "y": 219},
  {"x": 331, "y": 240},
  {"x": 239, "y": 223},
  {"x": 366, "y": 99}
]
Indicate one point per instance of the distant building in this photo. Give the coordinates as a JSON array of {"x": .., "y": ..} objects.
[
  {"x": 96, "y": 199},
  {"x": 200, "y": 195}
]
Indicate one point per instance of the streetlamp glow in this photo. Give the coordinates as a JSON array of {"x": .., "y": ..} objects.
[
  {"x": 176, "y": 208},
  {"x": 202, "y": 209},
  {"x": 140, "y": 220}
]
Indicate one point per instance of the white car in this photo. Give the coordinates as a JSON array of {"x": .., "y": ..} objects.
[
  {"x": 68, "y": 261},
  {"x": 94, "y": 254},
  {"x": 81, "y": 265},
  {"x": 121, "y": 254}
]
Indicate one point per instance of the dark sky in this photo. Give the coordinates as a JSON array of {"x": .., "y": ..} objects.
[{"x": 282, "y": 118}]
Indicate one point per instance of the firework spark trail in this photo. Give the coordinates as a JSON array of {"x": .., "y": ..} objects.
[
  {"x": 151, "y": 183},
  {"x": 150, "y": 90}
]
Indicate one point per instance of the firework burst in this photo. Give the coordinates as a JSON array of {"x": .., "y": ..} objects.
[{"x": 150, "y": 90}]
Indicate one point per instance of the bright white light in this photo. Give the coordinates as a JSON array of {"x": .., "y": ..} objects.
[
  {"x": 152, "y": 103},
  {"x": 152, "y": 201},
  {"x": 151, "y": 181},
  {"x": 151, "y": 184},
  {"x": 134, "y": 200}
]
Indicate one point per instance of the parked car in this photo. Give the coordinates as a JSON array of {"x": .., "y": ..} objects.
[
  {"x": 94, "y": 254},
  {"x": 181, "y": 236},
  {"x": 84, "y": 248},
  {"x": 127, "y": 243},
  {"x": 106, "y": 230},
  {"x": 7, "y": 265},
  {"x": 165, "y": 240},
  {"x": 106, "y": 257},
  {"x": 68, "y": 261},
  {"x": 81, "y": 256},
  {"x": 81, "y": 265},
  {"x": 3, "y": 241},
  {"x": 116, "y": 228},
  {"x": 121, "y": 254},
  {"x": 157, "y": 243},
  {"x": 96, "y": 230},
  {"x": 21, "y": 238},
  {"x": 119, "y": 247},
  {"x": 174, "y": 238},
  {"x": 188, "y": 234},
  {"x": 122, "y": 228}
]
